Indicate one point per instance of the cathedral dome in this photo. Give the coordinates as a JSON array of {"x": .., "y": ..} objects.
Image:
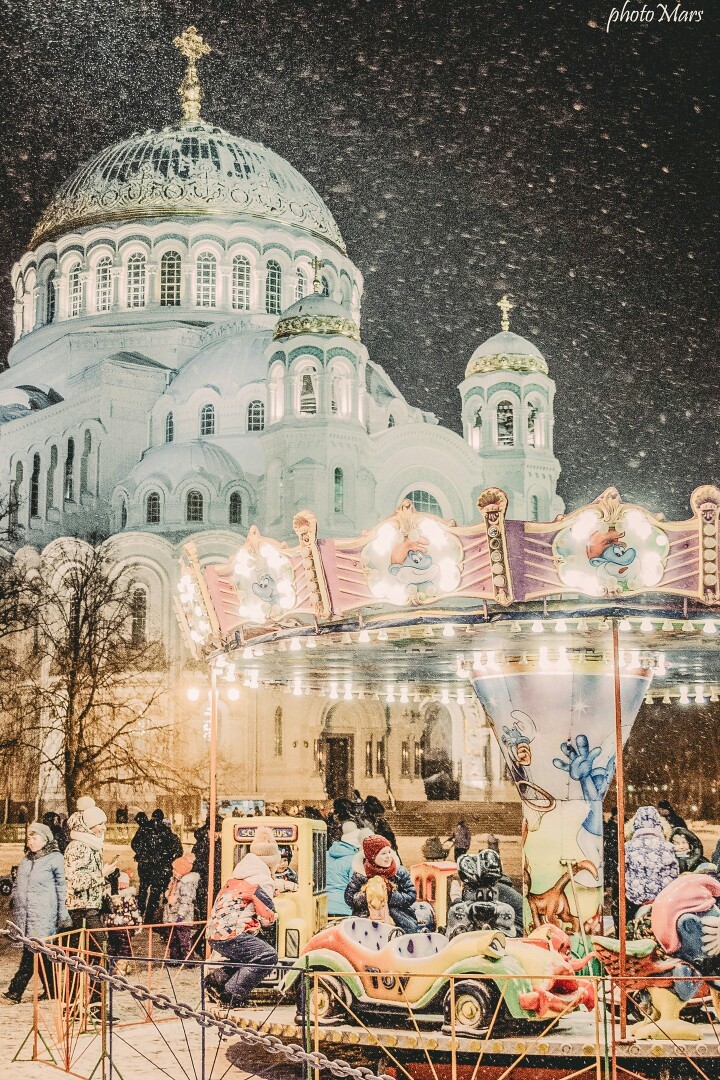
[
  {"x": 187, "y": 169},
  {"x": 173, "y": 463},
  {"x": 316, "y": 314},
  {"x": 506, "y": 352}
]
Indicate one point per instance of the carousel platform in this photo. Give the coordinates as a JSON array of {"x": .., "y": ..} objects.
[{"x": 570, "y": 1044}]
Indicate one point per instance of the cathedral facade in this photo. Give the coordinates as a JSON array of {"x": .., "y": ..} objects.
[{"x": 188, "y": 361}]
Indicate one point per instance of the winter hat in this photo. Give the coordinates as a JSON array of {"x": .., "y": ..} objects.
[
  {"x": 372, "y": 845},
  {"x": 85, "y": 802},
  {"x": 183, "y": 865},
  {"x": 157, "y": 815},
  {"x": 123, "y": 881},
  {"x": 265, "y": 847},
  {"x": 42, "y": 830},
  {"x": 647, "y": 818}
]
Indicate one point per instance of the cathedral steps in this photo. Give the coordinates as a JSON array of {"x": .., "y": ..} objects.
[{"x": 440, "y": 818}]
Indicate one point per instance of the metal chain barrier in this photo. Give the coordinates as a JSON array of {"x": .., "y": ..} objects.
[{"x": 292, "y": 1053}]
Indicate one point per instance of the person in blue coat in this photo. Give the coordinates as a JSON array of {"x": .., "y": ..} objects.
[
  {"x": 38, "y": 899},
  {"x": 340, "y": 858}
]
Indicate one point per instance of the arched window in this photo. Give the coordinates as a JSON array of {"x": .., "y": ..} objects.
[
  {"x": 534, "y": 508},
  {"x": 84, "y": 464},
  {"x": 74, "y": 291},
  {"x": 16, "y": 494},
  {"x": 241, "y": 283},
  {"x": 277, "y": 392},
  {"x": 205, "y": 287},
  {"x": 170, "y": 279},
  {"x": 278, "y": 732},
  {"x": 103, "y": 284},
  {"x": 325, "y": 291},
  {"x": 273, "y": 288},
  {"x": 338, "y": 492},
  {"x": 505, "y": 424},
  {"x": 169, "y": 427},
  {"x": 123, "y": 514},
  {"x": 308, "y": 392},
  {"x": 300, "y": 284},
  {"x": 152, "y": 508},
  {"x": 207, "y": 420},
  {"x": 136, "y": 280},
  {"x": 535, "y": 430},
  {"x": 50, "y": 479},
  {"x": 235, "y": 509},
  {"x": 194, "y": 506},
  {"x": 35, "y": 487},
  {"x": 255, "y": 416},
  {"x": 138, "y": 633},
  {"x": 424, "y": 502},
  {"x": 476, "y": 432},
  {"x": 69, "y": 480},
  {"x": 50, "y": 297}
]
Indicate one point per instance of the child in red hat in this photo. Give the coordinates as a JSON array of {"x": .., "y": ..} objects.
[{"x": 381, "y": 861}]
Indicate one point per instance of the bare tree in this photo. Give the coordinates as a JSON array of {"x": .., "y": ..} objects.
[{"x": 92, "y": 687}]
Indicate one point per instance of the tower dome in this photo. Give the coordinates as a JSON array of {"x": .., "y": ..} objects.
[
  {"x": 186, "y": 169},
  {"x": 316, "y": 314},
  {"x": 506, "y": 352}
]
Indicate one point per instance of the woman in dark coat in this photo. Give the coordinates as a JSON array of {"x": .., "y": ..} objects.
[
  {"x": 375, "y": 815},
  {"x": 381, "y": 861},
  {"x": 38, "y": 899}
]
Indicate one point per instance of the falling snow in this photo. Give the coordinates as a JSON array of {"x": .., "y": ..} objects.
[{"x": 465, "y": 149}]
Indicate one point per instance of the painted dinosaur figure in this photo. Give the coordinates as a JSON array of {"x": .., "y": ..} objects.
[{"x": 553, "y": 906}]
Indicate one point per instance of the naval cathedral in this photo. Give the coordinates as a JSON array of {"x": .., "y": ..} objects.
[{"x": 188, "y": 362}]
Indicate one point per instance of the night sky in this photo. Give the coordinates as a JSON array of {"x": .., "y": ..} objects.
[{"x": 465, "y": 149}]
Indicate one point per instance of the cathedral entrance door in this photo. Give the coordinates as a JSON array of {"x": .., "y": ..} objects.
[{"x": 339, "y": 766}]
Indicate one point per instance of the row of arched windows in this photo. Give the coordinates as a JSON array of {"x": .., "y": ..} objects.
[
  {"x": 136, "y": 293},
  {"x": 207, "y": 421},
  {"x": 194, "y": 508},
  {"x": 505, "y": 432},
  {"x": 74, "y": 482}
]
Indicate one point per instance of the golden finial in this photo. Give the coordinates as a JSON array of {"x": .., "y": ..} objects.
[
  {"x": 505, "y": 309},
  {"x": 193, "y": 48},
  {"x": 317, "y": 265}
]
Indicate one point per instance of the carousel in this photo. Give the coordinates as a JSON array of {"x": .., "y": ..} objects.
[{"x": 560, "y": 630}]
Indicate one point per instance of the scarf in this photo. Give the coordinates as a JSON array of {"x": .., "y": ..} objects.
[
  {"x": 387, "y": 872},
  {"x": 47, "y": 850},
  {"x": 95, "y": 842}
]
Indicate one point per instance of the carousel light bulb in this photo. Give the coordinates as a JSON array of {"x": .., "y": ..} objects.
[
  {"x": 660, "y": 664},
  {"x": 635, "y": 658},
  {"x": 699, "y": 694},
  {"x": 564, "y": 660},
  {"x": 646, "y": 626},
  {"x": 346, "y": 638},
  {"x": 448, "y": 630},
  {"x": 247, "y": 653},
  {"x": 193, "y": 693},
  {"x": 404, "y": 698},
  {"x": 259, "y": 652},
  {"x": 461, "y": 697},
  {"x": 544, "y": 656},
  {"x": 254, "y": 682},
  {"x": 233, "y": 693},
  {"x": 625, "y": 626},
  {"x": 333, "y": 691},
  {"x": 382, "y": 635},
  {"x": 714, "y": 694},
  {"x": 297, "y": 686},
  {"x": 348, "y": 692},
  {"x": 364, "y": 636},
  {"x": 490, "y": 659},
  {"x": 648, "y": 699},
  {"x": 230, "y": 673},
  {"x": 666, "y": 699},
  {"x": 311, "y": 643},
  {"x": 688, "y": 626},
  {"x": 295, "y": 644},
  {"x": 361, "y": 695},
  {"x": 477, "y": 660},
  {"x": 429, "y": 632},
  {"x": 561, "y": 627},
  {"x": 684, "y": 699},
  {"x": 390, "y": 695},
  {"x": 445, "y": 696},
  {"x": 709, "y": 627},
  {"x": 667, "y": 626},
  {"x": 537, "y": 627}
]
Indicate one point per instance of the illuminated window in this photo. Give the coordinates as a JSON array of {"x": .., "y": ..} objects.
[
  {"x": 194, "y": 506},
  {"x": 405, "y": 759},
  {"x": 278, "y": 732},
  {"x": 325, "y": 286},
  {"x": 255, "y": 416},
  {"x": 308, "y": 392},
  {"x": 241, "y": 283},
  {"x": 136, "y": 281},
  {"x": 300, "y": 285},
  {"x": 235, "y": 509},
  {"x": 50, "y": 480},
  {"x": 103, "y": 284},
  {"x": 75, "y": 290},
  {"x": 152, "y": 508},
  {"x": 418, "y": 759},
  {"x": 273, "y": 288},
  {"x": 69, "y": 482},
  {"x": 205, "y": 288},
  {"x": 339, "y": 491},
  {"x": 424, "y": 502},
  {"x": 85, "y": 464},
  {"x": 169, "y": 427},
  {"x": 380, "y": 757},
  {"x": 35, "y": 487},
  {"x": 505, "y": 424},
  {"x": 369, "y": 758},
  {"x": 170, "y": 279},
  {"x": 207, "y": 420},
  {"x": 123, "y": 514},
  {"x": 534, "y": 508}
]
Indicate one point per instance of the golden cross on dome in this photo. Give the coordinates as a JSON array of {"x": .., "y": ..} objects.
[
  {"x": 505, "y": 309},
  {"x": 193, "y": 48},
  {"x": 317, "y": 265}
]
